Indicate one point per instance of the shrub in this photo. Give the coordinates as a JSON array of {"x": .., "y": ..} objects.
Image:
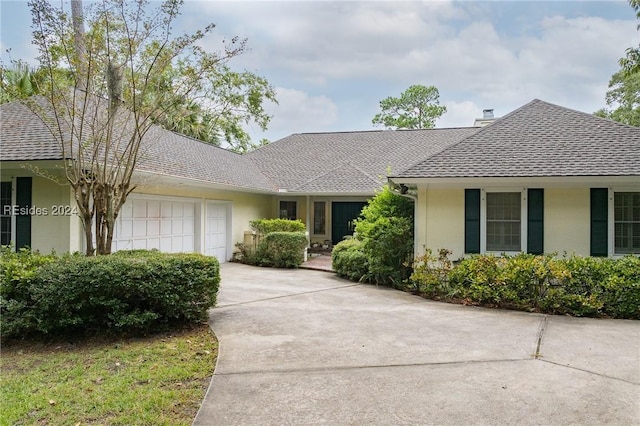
[
  {"x": 121, "y": 294},
  {"x": 18, "y": 270},
  {"x": 349, "y": 260},
  {"x": 579, "y": 286},
  {"x": 280, "y": 250},
  {"x": 430, "y": 274},
  {"x": 385, "y": 227},
  {"x": 266, "y": 226}
]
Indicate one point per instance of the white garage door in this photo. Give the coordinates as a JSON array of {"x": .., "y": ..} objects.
[
  {"x": 216, "y": 231},
  {"x": 168, "y": 226}
]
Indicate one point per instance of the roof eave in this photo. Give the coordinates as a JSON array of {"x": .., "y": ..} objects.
[{"x": 525, "y": 181}]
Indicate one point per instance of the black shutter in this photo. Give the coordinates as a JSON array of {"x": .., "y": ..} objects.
[
  {"x": 535, "y": 221},
  {"x": 23, "y": 221},
  {"x": 472, "y": 221},
  {"x": 599, "y": 221}
]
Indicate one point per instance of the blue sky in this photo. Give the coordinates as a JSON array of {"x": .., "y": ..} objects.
[{"x": 332, "y": 62}]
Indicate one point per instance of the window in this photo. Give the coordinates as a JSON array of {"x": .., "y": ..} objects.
[
  {"x": 288, "y": 210},
  {"x": 5, "y": 213},
  {"x": 319, "y": 218},
  {"x": 503, "y": 226},
  {"x": 626, "y": 222}
]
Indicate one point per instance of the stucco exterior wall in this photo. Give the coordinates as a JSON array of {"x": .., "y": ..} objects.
[
  {"x": 444, "y": 219},
  {"x": 51, "y": 231},
  {"x": 53, "y": 208},
  {"x": 567, "y": 221},
  {"x": 440, "y": 220}
]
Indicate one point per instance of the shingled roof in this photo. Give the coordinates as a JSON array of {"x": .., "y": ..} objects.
[
  {"x": 24, "y": 137},
  {"x": 348, "y": 162},
  {"x": 536, "y": 140}
]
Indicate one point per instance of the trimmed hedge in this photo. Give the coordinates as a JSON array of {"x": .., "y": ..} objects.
[
  {"x": 281, "y": 250},
  {"x": 124, "y": 293},
  {"x": 266, "y": 226},
  {"x": 349, "y": 261},
  {"x": 579, "y": 286},
  {"x": 280, "y": 243}
]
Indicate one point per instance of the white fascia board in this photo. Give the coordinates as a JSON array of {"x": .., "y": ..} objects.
[
  {"x": 530, "y": 182},
  {"x": 145, "y": 178}
]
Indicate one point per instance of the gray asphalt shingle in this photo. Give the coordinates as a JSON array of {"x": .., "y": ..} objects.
[
  {"x": 536, "y": 140},
  {"x": 305, "y": 162},
  {"x": 24, "y": 137}
]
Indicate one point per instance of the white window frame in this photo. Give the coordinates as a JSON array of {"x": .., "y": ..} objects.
[
  {"x": 483, "y": 219},
  {"x": 611, "y": 231}
]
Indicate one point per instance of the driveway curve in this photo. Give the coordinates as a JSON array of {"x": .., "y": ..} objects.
[{"x": 306, "y": 347}]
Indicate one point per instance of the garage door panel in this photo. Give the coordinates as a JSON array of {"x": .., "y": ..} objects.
[
  {"x": 165, "y": 244},
  {"x": 150, "y": 223},
  {"x": 153, "y": 243},
  {"x": 176, "y": 227},
  {"x": 139, "y": 228},
  {"x": 177, "y": 210},
  {"x": 165, "y": 209},
  {"x": 153, "y": 228},
  {"x": 139, "y": 244},
  {"x": 126, "y": 228},
  {"x": 153, "y": 209},
  {"x": 139, "y": 208},
  {"x": 126, "y": 211}
]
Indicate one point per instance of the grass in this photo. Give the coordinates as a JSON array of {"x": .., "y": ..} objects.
[{"x": 159, "y": 380}]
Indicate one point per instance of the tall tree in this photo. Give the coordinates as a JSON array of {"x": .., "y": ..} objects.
[
  {"x": 623, "y": 99},
  {"x": 631, "y": 62},
  {"x": 418, "y": 107},
  {"x": 219, "y": 116},
  {"x": 131, "y": 71}
]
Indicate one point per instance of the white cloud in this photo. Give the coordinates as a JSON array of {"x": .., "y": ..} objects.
[
  {"x": 460, "y": 114},
  {"x": 298, "y": 112}
]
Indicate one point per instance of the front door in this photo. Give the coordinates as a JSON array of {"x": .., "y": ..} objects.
[{"x": 342, "y": 217}]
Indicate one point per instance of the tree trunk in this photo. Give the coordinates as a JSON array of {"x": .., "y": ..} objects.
[
  {"x": 82, "y": 196},
  {"x": 77, "y": 18}
]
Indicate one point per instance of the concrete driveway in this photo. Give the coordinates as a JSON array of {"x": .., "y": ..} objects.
[{"x": 305, "y": 347}]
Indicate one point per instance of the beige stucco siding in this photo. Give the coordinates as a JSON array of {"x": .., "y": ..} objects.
[
  {"x": 444, "y": 220},
  {"x": 440, "y": 220},
  {"x": 51, "y": 231},
  {"x": 53, "y": 211},
  {"x": 567, "y": 220}
]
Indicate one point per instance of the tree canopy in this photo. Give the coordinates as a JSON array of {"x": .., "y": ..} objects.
[
  {"x": 114, "y": 69},
  {"x": 217, "y": 110},
  {"x": 418, "y": 107},
  {"x": 623, "y": 99},
  {"x": 631, "y": 62},
  {"x": 623, "y": 96}
]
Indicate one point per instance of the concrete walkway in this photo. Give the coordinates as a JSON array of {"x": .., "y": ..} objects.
[{"x": 305, "y": 347}]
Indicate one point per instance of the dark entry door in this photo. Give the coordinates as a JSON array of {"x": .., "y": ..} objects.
[{"x": 342, "y": 216}]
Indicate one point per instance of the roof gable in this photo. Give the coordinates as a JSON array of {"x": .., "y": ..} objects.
[
  {"x": 344, "y": 178},
  {"x": 539, "y": 139}
]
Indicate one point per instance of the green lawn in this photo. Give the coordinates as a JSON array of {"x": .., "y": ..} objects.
[{"x": 157, "y": 380}]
